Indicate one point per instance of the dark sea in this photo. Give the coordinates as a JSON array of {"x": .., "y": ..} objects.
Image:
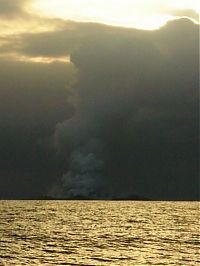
[{"x": 99, "y": 233}]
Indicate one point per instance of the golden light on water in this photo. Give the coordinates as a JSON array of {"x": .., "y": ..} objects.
[
  {"x": 99, "y": 233},
  {"x": 140, "y": 14}
]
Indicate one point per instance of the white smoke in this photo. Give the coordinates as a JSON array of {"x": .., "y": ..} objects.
[
  {"x": 76, "y": 140},
  {"x": 82, "y": 179}
]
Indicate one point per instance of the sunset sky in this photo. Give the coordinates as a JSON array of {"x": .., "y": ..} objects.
[
  {"x": 141, "y": 14},
  {"x": 32, "y": 16},
  {"x": 99, "y": 98}
]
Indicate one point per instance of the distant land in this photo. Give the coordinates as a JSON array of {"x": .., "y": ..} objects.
[
  {"x": 79, "y": 197},
  {"x": 131, "y": 197}
]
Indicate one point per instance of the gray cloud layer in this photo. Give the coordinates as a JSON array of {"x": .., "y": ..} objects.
[
  {"x": 10, "y": 8},
  {"x": 135, "y": 123},
  {"x": 34, "y": 93},
  {"x": 33, "y": 99}
]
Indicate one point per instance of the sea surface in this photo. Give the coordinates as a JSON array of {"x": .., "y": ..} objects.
[{"x": 99, "y": 233}]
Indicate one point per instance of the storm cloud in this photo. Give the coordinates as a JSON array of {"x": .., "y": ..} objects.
[
  {"x": 137, "y": 112},
  {"x": 33, "y": 100},
  {"x": 128, "y": 125}
]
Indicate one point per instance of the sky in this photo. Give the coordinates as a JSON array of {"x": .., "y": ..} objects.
[
  {"x": 99, "y": 99},
  {"x": 129, "y": 13}
]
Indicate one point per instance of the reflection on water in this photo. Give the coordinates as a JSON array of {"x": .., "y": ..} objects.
[{"x": 99, "y": 233}]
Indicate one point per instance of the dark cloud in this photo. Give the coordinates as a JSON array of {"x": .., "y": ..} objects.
[
  {"x": 134, "y": 128},
  {"x": 60, "y": 42},
  {"x": 11, "y": 9},
  {"x": 33, "y": 99},
  {"x": 34, "y": 93},
  {"x": 137, "y": 114}
]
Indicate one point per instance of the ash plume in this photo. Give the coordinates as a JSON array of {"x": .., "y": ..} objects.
[
  {"x": 82, "y": 179},
  {"x": 132, "y": 91}
]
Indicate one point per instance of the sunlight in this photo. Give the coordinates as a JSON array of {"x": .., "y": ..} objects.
[
  {"x": 44, "y": 60},
  {"x": 185, "y": 4},
  {"x": 36, "y": 59},
  {"x": 22, "y": 26},
  {"x": 140, "y": 14}
]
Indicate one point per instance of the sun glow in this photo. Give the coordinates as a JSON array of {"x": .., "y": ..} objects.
[
  {"x": 44, "y": 60},
  {"x": 141, "y": 14},
  {"x": 36, "y": 59}
]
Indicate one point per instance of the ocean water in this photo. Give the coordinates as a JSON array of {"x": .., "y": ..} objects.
[{"x": 99, "y": 233}]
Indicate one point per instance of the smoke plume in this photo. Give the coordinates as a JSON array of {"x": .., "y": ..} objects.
[{"x": 132, "y": 91}]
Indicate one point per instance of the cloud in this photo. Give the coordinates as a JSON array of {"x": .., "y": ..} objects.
[
  {"x": 33, "y": 99},
  {"x": 129, "y": 124},
  {"x": 17, "y": 17},
  {"x": 11, "y": 9},
  {"x": 36, "y": 94},
  {"x": 137, "y": 101},
  {"x": 189, "y": 13},
  {"x": 49, "y": 43},
  {"x": 150, "y": 14}
]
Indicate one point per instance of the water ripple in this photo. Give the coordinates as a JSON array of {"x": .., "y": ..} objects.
[{"x": 99, "y": 233}]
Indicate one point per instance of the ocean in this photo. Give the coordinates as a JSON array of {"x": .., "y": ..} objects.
[{"x": 99, "y": 233}]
